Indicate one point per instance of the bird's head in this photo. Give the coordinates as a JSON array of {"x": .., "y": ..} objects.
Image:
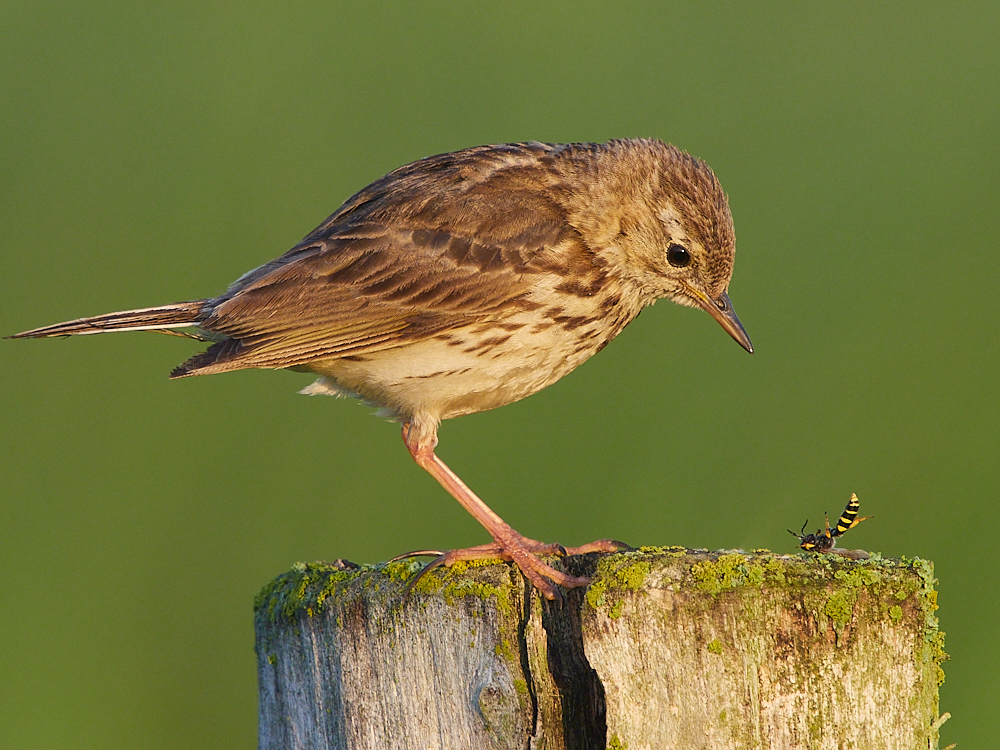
[{"x": 675, "y": 230}]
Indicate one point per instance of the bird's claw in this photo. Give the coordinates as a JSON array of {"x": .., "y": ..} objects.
[{"x": 522, "y": 552}]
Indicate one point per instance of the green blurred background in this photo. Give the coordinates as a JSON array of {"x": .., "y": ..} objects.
[{"x": 153, "y": 154}]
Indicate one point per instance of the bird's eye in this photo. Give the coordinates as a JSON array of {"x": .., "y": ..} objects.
[{"x": 678, "y": 256}]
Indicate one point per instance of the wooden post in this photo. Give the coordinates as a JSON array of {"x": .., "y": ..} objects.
[{"x": 667, "y": 648}]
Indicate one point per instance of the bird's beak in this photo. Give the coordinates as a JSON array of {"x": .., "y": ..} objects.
[{"x": 722, "y": 310}]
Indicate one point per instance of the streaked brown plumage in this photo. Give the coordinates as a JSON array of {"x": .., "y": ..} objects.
[{"x": 469, "y": 280}]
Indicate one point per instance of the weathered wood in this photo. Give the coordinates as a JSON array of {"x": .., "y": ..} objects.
[{"x": 667, "y": 648}]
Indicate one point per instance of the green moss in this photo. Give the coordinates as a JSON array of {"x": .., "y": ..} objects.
[
  {"x": 621, "y": 572},
  {"x": 727, "y": 572},
  {"x": 454, "y": 584},
  {"x": 933, "y": 653},
  {"x": 839, "y": 607},
  {"x": 830, "y": 588},
  {"x": 311, "y": 588},
  {"x": 633, "y": 576},
  {"x": 304, "y": 588},
  {"x": 327, "y": 590},
  {"x": 672, "y": 551},
  {"x": 616, "y": 744},
  {"x": 936, "y": 654},
  {"x": 816, "y": 726},
  {"x": 520, "y": 686},
  {"x": 595, "y": 596},
  {"x": 399, "y": 570},
  {"x": 505, "y": 650},
  {"x": 859, "y": 577},
  {"x": 775, "y": 570}
]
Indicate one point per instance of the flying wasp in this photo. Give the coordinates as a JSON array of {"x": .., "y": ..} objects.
[{"x": 825, "y": 540}]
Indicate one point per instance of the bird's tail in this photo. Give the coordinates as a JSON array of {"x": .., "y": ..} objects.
[{"x": 178, "y": 315}]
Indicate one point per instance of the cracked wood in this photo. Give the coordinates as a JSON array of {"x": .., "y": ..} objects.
[{"x": 667, "y": 648}]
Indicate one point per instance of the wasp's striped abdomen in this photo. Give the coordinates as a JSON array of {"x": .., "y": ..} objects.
[{"x": 824, "y": 540}]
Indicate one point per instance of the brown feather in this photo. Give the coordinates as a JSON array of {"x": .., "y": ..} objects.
[
  {"x": 148, "y": 318},
  {"x": 355, "y": 286},
  {"x": 466, "y": 241}
]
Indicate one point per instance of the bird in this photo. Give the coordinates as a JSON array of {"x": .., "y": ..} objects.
[{"x": 466, "y": 281}]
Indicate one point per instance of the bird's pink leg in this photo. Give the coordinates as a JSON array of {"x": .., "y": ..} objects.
[{"x": 509, "y": 544}]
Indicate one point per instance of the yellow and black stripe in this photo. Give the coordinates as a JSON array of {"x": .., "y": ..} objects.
[
  {"x": 849, "y": 518},
  {"x": 824, "y": 540}
]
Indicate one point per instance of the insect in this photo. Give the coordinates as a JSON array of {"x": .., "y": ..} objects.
[{"x": 825, "y": 540}]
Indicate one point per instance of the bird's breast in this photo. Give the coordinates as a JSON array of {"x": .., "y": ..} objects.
[{"x": 484, "y": 364}]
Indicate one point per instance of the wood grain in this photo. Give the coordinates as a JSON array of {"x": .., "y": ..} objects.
[{"x": 666, "y": 648}]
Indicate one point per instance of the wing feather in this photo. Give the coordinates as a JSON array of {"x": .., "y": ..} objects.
[{"x": 436, "y": 245}]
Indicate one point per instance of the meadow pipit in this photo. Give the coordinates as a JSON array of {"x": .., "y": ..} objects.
[{"x": 469, "y": 280}]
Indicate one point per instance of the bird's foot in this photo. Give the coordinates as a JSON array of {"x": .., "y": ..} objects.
[{"x": 524, "y": 553}]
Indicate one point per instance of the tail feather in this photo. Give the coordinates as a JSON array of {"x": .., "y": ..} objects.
[
  {"x": 219, "y": 357},
  {"x": 178, "y": 315}
]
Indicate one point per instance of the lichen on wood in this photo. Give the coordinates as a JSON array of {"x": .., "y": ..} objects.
[
  {"x": 765, "y": 651},
  {"x": 667, "y": 647}
]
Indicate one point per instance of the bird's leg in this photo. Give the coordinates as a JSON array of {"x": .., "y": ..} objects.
[{"x": 509, "y": 544}]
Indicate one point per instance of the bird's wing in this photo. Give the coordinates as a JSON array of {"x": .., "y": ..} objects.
[{"x": 388, "y": 269}]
